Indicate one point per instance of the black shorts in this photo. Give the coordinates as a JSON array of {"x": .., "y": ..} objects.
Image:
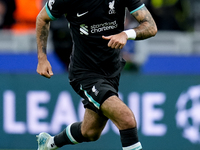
[{"x": 95, "y": 91}]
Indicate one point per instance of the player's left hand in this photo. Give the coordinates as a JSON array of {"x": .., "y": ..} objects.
[{"x": 116, "y": 41}]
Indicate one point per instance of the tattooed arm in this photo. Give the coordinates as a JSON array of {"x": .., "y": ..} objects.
[
  {"x": 146, "y": 29},
  {"x": 147, "y": 26},
  {"x": 42, "y": 30}
]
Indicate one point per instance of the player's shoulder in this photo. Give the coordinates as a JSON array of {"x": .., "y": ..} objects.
[{"x": 57, "y": 2}]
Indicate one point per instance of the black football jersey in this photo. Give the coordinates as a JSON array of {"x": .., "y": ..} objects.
[{"x": 89, "y": 20}]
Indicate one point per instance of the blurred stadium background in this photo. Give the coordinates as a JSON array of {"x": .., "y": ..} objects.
[{"x": 160, "y": 83}]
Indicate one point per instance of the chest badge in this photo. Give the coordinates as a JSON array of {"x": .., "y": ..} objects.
[{"x": 112, "y": 8}]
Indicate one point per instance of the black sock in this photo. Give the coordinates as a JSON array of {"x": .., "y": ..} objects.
[
  {"x": 71, "y": 135},
  {"x": 129, "y": 137},
  {"x": 62, "y": 139}
]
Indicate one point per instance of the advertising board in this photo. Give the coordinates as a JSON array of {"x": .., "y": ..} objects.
[{"x": 166, "y": 107}]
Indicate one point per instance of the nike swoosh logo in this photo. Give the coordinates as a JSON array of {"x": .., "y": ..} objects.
[{"x": 79, "y": 15}]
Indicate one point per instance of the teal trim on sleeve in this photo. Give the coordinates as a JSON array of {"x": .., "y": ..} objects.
[
  {"x": 137, "y": 9},
  {"x": 49, "y": 13}
]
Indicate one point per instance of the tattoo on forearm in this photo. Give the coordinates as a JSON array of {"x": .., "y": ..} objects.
[
  {"x": 43, "y": 38},
  {"x": 147, "y": 25}
]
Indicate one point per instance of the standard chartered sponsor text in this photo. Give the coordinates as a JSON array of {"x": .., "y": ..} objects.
[{"x": 103, "y": 26}]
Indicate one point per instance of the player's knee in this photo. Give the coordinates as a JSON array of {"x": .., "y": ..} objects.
[
  {"x": 127, "y": 121},
  {"x": 91, "y": 135}
]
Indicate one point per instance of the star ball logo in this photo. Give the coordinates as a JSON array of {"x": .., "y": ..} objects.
[{"x": 188, "y": 114}]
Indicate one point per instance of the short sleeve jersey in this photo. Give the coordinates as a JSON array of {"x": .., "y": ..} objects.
[{"x": 89, "y": 21}]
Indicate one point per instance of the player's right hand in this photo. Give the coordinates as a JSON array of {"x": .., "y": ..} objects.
[{"x": 44, "y": 68}]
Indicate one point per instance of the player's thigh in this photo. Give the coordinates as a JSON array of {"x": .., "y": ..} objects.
[
  {"x": 93, "y": 124},
  {"x": 119, "y": 113}
]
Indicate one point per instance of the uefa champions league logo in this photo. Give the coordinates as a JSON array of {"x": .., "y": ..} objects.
[{"x": 188, "y": 114}]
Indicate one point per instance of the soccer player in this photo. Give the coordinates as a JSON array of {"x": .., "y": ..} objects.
[{"x": 97, "y": 28}]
